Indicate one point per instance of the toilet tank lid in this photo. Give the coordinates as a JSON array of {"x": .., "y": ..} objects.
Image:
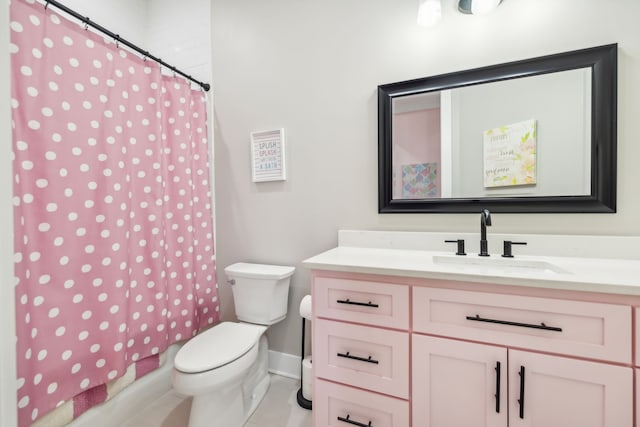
[
  {"x": 217, "y": 346},
  {"x": 259, "y": 271}
]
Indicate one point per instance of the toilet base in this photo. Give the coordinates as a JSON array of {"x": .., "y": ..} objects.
[
  {"x": 232, "y": 405},
  {"x": 257, "y": 397},
  {"x": 257, "y": 382}
]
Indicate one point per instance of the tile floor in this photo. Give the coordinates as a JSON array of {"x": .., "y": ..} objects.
[{"x": 279, "y": 408}]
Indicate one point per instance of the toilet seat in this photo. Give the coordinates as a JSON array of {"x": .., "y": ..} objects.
[{"x": 218, "y": 346}]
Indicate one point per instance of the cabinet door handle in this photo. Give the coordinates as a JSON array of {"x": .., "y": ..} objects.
[
  {"x": 355, "y": 423},
  {"x": 361, "y": 359},
  {"x": 363, "y": 304},
  {"x": 521, "y": 399},
  {"x": 497, "y": 368},
  {"x": 477, "y": 318}
]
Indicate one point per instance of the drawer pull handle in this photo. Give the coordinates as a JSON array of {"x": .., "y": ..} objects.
[
  {"x": 477, "y": 318},
  {"x": 497, "y": 395},
  {"x": 363, "y": 304},
  {"x": 361, "y": 359},
  {"x": 355, "y": 423},
  {"x": 521, "y": 400}
]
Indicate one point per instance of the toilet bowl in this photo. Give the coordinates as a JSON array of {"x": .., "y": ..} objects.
[
  {"x": 225, "y": 368},
  {"x": 216, "y": 382}
]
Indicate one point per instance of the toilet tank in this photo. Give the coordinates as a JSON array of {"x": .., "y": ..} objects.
[{"x": 260, "y": 291}]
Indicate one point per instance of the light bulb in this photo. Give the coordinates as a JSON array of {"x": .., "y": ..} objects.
[
  {"x": 481, "y": 7},
  {"x": 429, "y": 12}
]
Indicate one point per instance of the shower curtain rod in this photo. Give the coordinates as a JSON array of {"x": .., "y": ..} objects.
[{"x": 118, "y": 39}]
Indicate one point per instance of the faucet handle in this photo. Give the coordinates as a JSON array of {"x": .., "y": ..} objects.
[
  {"x": 460, "y": 243},
  {"x": 506, "y": 253}
]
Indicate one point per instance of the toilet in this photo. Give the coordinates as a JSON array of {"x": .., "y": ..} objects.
[{"x": 225, "y": 368}]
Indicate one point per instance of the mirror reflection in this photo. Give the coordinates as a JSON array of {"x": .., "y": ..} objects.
[
  {"x": 536, "y": 135},
  {"x": 439, "y": 138}
]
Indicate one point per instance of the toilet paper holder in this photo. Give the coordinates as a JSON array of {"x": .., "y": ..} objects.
[{"x": 305, "y": 305}]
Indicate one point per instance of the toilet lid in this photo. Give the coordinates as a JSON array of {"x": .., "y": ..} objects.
[
  {"x": 259, "y": 271},
  {"x": 217, "y": 346}
]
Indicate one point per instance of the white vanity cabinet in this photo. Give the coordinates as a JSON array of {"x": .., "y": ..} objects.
[
  {"x": 360, "y": 352},
  {"x": 457, "y": 383},
  {"x": 545, "y": 390},
  {"x": 446, "y": 354}
]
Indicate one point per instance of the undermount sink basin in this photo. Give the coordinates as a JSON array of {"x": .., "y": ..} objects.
[{"x": 497, "y": 263}]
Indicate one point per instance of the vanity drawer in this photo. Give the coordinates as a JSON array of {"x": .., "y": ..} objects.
[
  {"x": 341, "y": 404},
  {"x": 584, "y": 329},
  {"x": 373, "y": 303},
  {"x": 362, "y": 356}
]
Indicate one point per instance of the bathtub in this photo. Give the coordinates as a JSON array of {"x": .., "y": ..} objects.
[{"x": 123, "y": 405}]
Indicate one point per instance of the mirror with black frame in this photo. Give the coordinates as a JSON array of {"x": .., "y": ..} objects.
[{"x": 532, "y": 136}]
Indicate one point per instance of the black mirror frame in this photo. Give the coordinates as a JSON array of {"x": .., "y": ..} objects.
[{"x": 603, "y": 62}]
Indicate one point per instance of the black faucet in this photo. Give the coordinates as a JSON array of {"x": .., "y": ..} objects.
[{"x": 485, "y": 220}]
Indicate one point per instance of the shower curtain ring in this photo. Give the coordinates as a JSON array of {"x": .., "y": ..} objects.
[{"x": 46, "y": 5}]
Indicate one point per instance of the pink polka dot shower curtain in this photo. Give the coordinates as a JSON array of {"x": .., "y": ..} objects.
[{"x": 113, "y": 220}]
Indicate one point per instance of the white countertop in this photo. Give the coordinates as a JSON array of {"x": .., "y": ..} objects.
[{"x": 581, "y": 273}]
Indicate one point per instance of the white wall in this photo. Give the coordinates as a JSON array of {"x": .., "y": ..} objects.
[
  {"x": 126, "y": 18},
  {"x": 313, "y": 68},
  {"x": 180, "y": 33},
  {"x": 176, "y": 32}
]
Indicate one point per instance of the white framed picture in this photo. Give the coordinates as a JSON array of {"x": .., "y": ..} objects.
[
  {"x": 510, "y": 155},
  {"x": 267, "y": 156}
]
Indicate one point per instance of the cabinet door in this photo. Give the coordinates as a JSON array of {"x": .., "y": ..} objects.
[
  {"x": 458, "y": 384},
  {"x": 551, "y": 391}
]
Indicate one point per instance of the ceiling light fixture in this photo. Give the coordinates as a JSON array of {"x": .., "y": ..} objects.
[{"x": 477, "y": 7}]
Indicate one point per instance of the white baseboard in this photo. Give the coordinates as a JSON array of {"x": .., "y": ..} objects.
[{"x": 287, "y": 365}]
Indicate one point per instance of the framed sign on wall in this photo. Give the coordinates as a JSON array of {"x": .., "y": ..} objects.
[
  {"x": 510, "y": 155},
  {"x": 267, "y": 156}
]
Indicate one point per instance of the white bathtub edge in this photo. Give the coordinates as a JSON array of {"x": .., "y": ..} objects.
[{"x": 127, "y": 403}]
